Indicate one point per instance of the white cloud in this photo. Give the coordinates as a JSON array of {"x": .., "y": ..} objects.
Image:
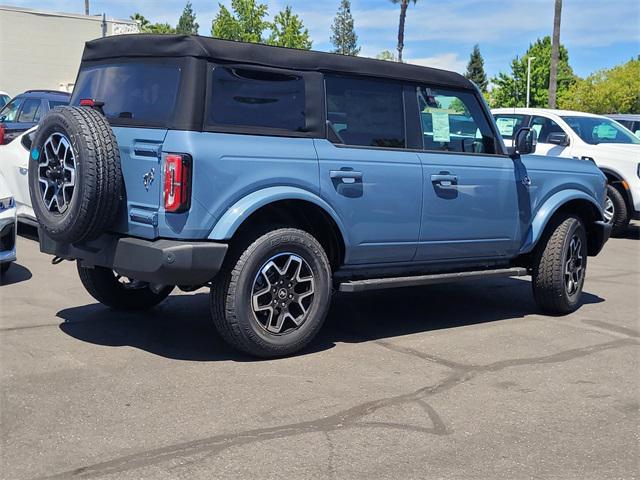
[{"x": 444, "y": 61}]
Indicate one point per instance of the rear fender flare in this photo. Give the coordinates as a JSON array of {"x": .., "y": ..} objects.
[{"x": 240, "y": 211}]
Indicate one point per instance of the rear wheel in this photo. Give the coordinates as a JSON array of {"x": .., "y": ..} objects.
[
  {"x": 120, "y": 293},
  {"x": 272, "y": 297},
  {"x": 560, "y": 267},
  {"x": 615, "y": 211}
]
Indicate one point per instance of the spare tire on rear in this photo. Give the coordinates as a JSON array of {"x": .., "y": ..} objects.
[{"x": 75, "y": 180}]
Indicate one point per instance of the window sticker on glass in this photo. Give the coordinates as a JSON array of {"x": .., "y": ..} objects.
[
  {"x": 506, "y": 126},
  {"x": 441, "y": 129}
]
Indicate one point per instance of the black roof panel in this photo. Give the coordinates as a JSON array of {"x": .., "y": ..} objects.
[{"x": 149, "y": 45}]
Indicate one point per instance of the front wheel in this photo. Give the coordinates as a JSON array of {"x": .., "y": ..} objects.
[
  {"x": 271, "y": 299},
  {"x": 119, "y": 292},
  {"x": 560, "y": 267}
]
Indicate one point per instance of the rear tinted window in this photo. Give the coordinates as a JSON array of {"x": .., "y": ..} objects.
[
  {"x": 257, "y": 98},
  {"x": 366, "y": 112},
  {"x": 133, "y": 93},
  {"x": 57, "y": 103}
]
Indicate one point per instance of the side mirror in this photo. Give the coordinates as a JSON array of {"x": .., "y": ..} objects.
[
  {"x": 525, "y": 141},
  {"x": 558, "y": 138}
]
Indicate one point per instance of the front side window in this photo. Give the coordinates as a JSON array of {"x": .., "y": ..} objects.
[
  {"x": 508, "y": 125},
  {"x": 453, "y": 121},
  {"x": 133, "y": 93},
  {"x": 366, "y": 112},
  {"x": 594, "y": 130},
  {"x": 10, "y": 111},
  {"x": 30, "y": 111},
  {"x": 545, "y": 127},
  {"x": 243, "y": 97}
]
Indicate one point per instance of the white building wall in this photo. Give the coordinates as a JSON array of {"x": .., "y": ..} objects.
[{"x": 42, "y": 50}]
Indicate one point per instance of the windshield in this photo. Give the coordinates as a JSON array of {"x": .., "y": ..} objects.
[{"x": 594, "y": 130}]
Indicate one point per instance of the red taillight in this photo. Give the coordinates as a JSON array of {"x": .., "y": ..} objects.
[
  {"x": 87, "y": 102},
  {"x": 177, "y": 182},
  {"x": 1, "y": 134}
]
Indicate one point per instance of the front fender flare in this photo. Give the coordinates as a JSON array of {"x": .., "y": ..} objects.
[
  {"x": 235, "y": 215},
  {"x": 548, "y": 209}
]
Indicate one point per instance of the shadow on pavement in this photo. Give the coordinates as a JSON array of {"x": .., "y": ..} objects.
[
  {"x": 181, "y": 328},
  {"x": 16, "y": 274}
]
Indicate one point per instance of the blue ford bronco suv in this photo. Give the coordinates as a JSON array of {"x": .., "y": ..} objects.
[{"x": 275, "y": 176}]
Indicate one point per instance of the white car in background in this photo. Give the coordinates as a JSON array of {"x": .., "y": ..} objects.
[
  {"x": 8, "y": 227},
  {"x": 564, "y": 133},
  {"x": 14, "y": 167}
]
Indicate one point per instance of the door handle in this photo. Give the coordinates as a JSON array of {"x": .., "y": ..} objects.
[
  {"x": 23, "y": 171},
  {"x": 343, "y": 175},
  {"x": 445, "y": 180}
]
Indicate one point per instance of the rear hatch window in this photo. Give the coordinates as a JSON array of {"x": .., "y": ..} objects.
[{"x": 137, "y": 94}]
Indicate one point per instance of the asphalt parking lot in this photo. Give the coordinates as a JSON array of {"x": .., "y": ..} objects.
[{"x": 460, "y": 381}]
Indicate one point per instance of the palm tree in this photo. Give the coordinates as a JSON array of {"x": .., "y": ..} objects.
[
  {"x": 403, "y": 15},
  {"x": 555, "y": 52}
]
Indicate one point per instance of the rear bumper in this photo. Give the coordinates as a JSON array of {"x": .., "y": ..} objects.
[
  {"x": 598, "y": 236},
  {"x": 165, "y": 262}
]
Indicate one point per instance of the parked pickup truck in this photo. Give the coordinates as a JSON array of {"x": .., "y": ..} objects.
[{"x": 274, "y": 176}]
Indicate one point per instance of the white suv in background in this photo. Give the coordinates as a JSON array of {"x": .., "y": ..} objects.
[{"x": 563, "y": 133}]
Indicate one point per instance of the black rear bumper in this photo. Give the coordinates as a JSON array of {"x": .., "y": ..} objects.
[{"x": 165, "y": 262}]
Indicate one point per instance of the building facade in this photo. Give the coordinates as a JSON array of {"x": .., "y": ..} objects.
[{"x": 42, "y": 50}]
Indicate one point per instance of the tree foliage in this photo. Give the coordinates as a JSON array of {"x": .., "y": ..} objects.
[
  {"x": 247, "y": 22},
  {"x": 510, "y": 90},
  {"x": 287, "y": 30},
  {"x": 387, "y": 55},
  {"x": 147, "y": 27},
  {"x": 475, "y": 69},
  {"x": 616, "y": 90},
  {"x": 343, "y": 34},
  {"x": 187, "y": 24}
]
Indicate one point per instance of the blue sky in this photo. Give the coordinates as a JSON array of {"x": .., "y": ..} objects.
[{"x": 598, "y": 33}]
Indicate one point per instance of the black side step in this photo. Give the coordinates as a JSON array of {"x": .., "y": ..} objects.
[{"x": 397, "y": 282}]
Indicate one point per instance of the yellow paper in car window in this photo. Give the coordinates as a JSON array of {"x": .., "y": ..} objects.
[
  {"x": 506, "y": 126},
  {"x": 441, "y": 130}
]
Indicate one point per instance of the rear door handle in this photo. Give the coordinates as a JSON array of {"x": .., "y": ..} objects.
[
  {"x": 445, "y": 180},
  {"x": 343, "y": 175}
]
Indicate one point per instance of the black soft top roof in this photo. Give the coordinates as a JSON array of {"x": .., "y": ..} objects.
[{"x": 148, "y": 45}]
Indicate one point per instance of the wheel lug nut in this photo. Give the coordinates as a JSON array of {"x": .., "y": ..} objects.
[{"x": 290, "y": 296}]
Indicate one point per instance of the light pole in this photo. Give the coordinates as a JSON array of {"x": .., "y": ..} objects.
[{"x": 529, "y": 78}]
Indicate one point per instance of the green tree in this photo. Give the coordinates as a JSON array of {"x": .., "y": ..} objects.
[
  {"x": 142, "y": 22},
  {"x": 510, "y": 90},
  {"x": 343, "y": 34},
  {"x": 147, "y": 27},
  {"x": 404, "y": 4},
  {"x": 386, "y": 55},
  {"x": 475, "y": 69},
  {"x": 187, "y": 24},
  {"x": 247, "y": 23},
  {"x": 616, "y": 90},
  {"x": 287, "y": 30}
]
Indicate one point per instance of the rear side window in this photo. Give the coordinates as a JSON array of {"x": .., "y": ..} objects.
[
  {"x": 366, "y": 112},
  {"x": 30, "y": 111},
  {"x": 57, "y": 103},
  {"x": 453, "y": 121},
  {"x": 133, "y": 93},
  {"x": 242, "y": 97}
]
